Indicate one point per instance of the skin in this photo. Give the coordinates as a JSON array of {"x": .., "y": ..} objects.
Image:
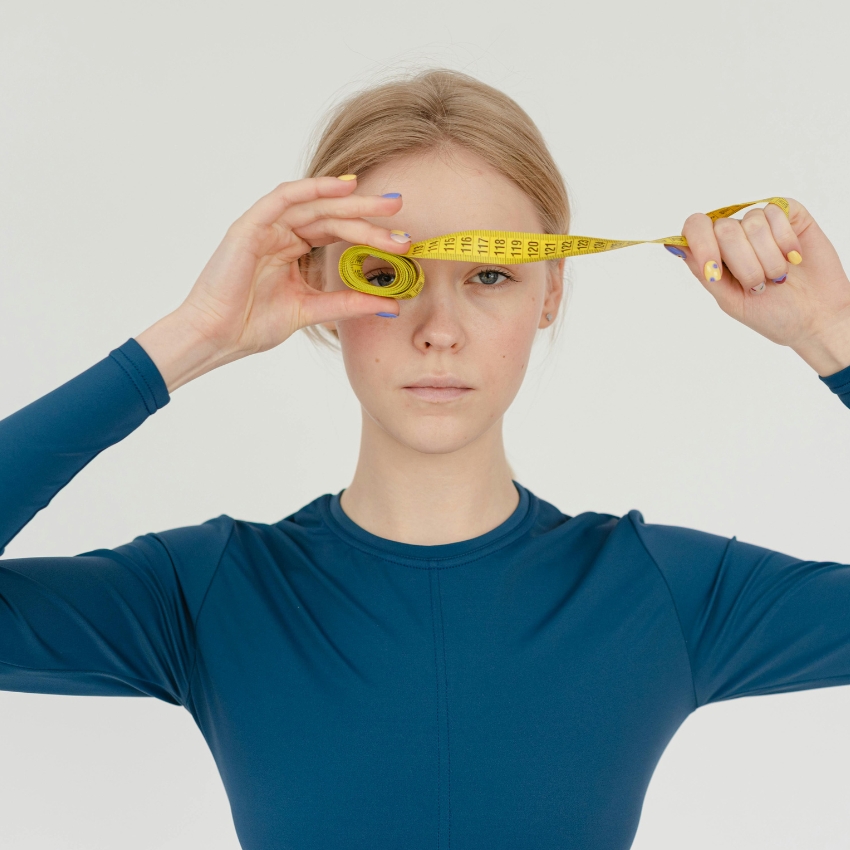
[
  {"x": 434, "y": 471},
  {"x": 480, "y": 333}
]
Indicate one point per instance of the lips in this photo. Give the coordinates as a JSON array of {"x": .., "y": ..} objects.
[
  {"x": 438, "y": 393},
  {"x": 438, "y": 388},
  {"x": 440, "y": 381}
]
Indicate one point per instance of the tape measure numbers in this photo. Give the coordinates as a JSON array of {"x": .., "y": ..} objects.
[{"x": 494, "y": 246}]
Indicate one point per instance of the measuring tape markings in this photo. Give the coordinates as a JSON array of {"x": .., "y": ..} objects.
[{"x": 495, "y": 246}]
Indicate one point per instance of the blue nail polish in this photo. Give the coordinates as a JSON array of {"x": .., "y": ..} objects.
[
  {"x": 392, "y": 195},
  {"x": 388, "y": 315},
  {"x": 677, "y": 251},
  {"x": 780, "y": 279}
]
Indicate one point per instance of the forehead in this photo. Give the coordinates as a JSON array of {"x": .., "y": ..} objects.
[{"x": 448, "y": 191}]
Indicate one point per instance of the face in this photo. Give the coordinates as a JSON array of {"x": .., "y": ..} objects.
[{"x": 473, "y": 324}]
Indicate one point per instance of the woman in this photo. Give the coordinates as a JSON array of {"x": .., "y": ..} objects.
[{"x": 434, "y": 657}]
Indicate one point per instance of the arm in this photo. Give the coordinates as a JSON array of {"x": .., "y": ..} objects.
[
  {"x": 45, "y": 444},
  {"x": 121, "y": 621},
  {"x": 755, "y": 621},
  {"x": 109, "y": 622}
]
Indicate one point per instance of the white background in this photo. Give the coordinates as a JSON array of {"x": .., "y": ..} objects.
[{"x": 134, "y": 133}]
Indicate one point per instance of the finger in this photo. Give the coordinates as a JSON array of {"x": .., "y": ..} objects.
[
  {"x": 739, "y": 255},
  {"x": 318, "y": 306},
  {"x": 759, "y": 232},
  {"x": 783, "y": 231},
  {"x": 351, "y": 206},
  {"x": 357, "y": 231},
  {"x": 271, "y": 207},
  {"x": 703, "y": 251}
]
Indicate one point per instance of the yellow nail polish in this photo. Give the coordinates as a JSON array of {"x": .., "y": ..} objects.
[
  {"x": 712, "y": 271},
  {"x": 347, "y": 177},
  {"x": 794, "y": 258}
]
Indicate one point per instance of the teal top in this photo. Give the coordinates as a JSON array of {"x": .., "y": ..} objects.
[{"x": 514, "y": 690}]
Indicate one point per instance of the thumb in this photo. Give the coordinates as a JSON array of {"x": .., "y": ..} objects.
[{"x": 321, "y": 307}]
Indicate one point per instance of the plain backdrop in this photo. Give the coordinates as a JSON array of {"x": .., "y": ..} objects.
[{"x": 133, "y": 134}]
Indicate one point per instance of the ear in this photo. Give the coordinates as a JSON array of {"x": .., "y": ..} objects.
[{"x": 554, "y": 292}]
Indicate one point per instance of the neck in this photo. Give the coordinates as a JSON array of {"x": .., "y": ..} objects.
[{"x": 409, "y": 496}]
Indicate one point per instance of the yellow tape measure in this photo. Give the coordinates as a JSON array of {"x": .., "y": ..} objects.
[{"x": 493, "y": 246}]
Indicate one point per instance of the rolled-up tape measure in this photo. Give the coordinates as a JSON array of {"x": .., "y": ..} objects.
[{"x": 494, "y": 246}]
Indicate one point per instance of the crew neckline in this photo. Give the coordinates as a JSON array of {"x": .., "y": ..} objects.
[{"x": 439, "y": 554}]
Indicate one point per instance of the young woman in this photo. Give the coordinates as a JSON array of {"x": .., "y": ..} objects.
[{"x": 434, "y": 657}]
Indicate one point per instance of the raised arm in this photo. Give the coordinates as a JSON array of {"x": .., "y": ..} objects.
[
  {"x": 121, "y": 621},
  {"x": 755, "y": 621}
]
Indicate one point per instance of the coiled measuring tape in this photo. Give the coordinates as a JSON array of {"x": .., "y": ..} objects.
[{"x": 494, "y": 246}]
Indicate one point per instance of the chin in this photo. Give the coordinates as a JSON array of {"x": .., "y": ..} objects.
[{"x": 432, "y": 437}]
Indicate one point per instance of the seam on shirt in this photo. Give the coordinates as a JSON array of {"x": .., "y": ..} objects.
[
  {"x": 425, "y": 567},
  {"x": 63, "y": 671},
  {"x": 135, "y": 384},
  {"x": 839, "y": 387},
  {"x": 448, "y": 724},
  {"x": 350, "y": 540},
  {"x": 141, "y": 374},
  {"x": 200, "y": 607},
  {"x": 802, "y": 685},
  {"x": 436, "y": 700},
  {"x": 675, "y": 609}
]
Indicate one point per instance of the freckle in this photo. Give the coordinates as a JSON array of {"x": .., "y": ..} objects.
[{"x": 377, "y": 359}]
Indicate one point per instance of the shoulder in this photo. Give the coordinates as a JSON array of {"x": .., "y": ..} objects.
[
  {"x": 667, "y": 546},
  {"x": 677, "y": 547}
]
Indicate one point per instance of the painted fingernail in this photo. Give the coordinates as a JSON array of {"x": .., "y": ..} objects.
[
  {"x": 347, "y": 177},
  {"x": 392, "y": 195},
  {"x": 677, "y": 251},
  {"x": 712, "y": 271},
  {"x": 795, "y": 258},
  {"x": 399, "y": 236},
  {"x": 388, "y": 315},
  {"x": 780, "y": 279},
  {"x": 757, "y": 288}
]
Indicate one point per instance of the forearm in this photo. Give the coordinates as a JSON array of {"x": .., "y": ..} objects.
[
  {"x": 45, "y": 444},
  {"x": 181, "y": 353}
]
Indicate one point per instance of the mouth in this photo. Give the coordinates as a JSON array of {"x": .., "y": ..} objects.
[{"x": 434, "y": 388}]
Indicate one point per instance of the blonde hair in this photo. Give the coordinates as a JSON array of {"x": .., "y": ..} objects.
[{"x": 428, "y": 110}]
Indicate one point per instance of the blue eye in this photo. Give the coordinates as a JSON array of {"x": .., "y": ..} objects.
[
  {"x": 380, "y": 278},
  {"x": 489, "y": 278}
]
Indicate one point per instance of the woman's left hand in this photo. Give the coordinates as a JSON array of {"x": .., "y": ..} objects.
[{"x": 800, "y": 299}]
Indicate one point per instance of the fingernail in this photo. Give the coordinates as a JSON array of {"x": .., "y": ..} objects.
[
  {"x": 677, "y": 251},
  {"x": 757, "y": 288},
  {"x": 388, "y": 315},
  {"x": 712, "y": 271},
  {"x": 795, "y": 258},
  {"x": 347, "y": 177},
  {"x": 780, "y": 279},
  {"x": 392, "y": 195},
  {"x": 399, "y": 236}
]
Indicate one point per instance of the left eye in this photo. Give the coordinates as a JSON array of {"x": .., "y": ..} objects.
[
  {"x": 381, "y": 278},
  {"x": 489, "y": 276}
]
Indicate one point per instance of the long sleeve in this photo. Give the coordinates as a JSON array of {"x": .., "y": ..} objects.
[
  {"x": 754, "y": 621},
  {"x": 107, "y": 622}
]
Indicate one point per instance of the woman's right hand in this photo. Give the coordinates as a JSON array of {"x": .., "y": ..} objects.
[{"x": 251, "y": 295}]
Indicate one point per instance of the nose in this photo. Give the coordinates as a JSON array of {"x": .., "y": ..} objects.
[{"x": 437, "y": 312}]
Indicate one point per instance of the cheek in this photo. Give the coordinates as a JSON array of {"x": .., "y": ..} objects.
[
  {"x": 505, "y": 350},
  {"x": 369, "y": 351}
]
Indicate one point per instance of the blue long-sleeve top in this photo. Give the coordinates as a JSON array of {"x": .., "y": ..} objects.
[{"x": 514, "y": 690}]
